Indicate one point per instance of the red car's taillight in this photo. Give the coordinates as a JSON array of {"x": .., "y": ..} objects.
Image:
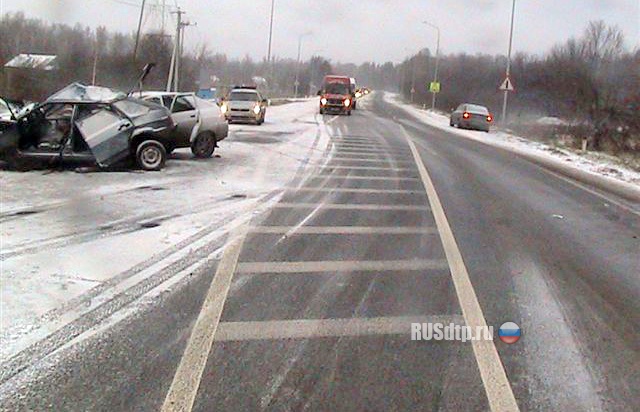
[{"x": 489, "y": 118}]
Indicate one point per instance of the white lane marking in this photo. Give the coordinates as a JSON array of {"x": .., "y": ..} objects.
[
  {"x": 494, "y": 377},
  {"x": 385, "y": 151},
  {"x": 348, "y": 206},
  {"x": 302, "y": 223},
  {"x": 345, "y": 230},
  {"x": 333, "y": 119},
  {"x": 369, "y": 160},
  {"x": 321, "y": 328},
  {"x": 352, "y": 177},
  {"x": 354, "y": 190},
  {"x": 186, "y": 380},
  {"x": 593, "y": 192},
  {"x": 341, "y": 266},
  {"x": 391, "y": 169},
  {"x": 374, "y": 156}
]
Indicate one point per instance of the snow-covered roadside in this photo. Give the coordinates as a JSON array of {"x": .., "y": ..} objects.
[
  {"x": 499, "y": 138},
  {"x": 62, "y": 234}
]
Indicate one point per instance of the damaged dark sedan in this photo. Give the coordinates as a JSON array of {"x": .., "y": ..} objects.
[{"x": 89, "y": 124}]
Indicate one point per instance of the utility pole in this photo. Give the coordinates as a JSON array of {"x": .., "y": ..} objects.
[
  {"x": 173, "y": 82},
  {"x": 508, "y": 71},
  {"x": 164, "y": 5},
  {"x": 269, "y": 65},
  {"x": 297, "y": 82},
  {"x": 95, "y": 63},
  {"x": 135, "y": 48},
  {"x": 435, "y": 73},
  {"x": 270, "y": 32},
  {"x": 413, "y": 76}
]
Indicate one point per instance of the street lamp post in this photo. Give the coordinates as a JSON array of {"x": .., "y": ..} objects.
[
  {"x": 297, "y": 82},
  {"x": 435, "y": 72},
  {"x": 508, "y": 71},
  {"x": 269, "y": 65}
]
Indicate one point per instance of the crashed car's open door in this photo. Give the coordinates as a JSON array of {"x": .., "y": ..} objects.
[{"x": 107, "y": 134}]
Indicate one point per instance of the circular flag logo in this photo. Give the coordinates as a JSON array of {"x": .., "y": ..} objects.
[{"x": 509, "y": 332}]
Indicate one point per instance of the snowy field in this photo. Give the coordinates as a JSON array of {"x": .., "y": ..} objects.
[
  {"x": 519, "y": 144},
  {"x": 72, "y": 241}
]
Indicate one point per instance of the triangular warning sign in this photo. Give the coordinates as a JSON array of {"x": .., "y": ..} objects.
[{"x": 507, "y": 85}]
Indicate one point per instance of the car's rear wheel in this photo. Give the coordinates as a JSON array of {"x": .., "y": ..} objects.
[
  {"x": 451, "y": 122},
  {"x": 151, "y": 155},
  {"x": 203, "y": 146},
  {"x": 321, "y": 111}
]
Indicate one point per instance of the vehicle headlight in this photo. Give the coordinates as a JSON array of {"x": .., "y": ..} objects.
[
  {"x": 323, "y": 101},
  {"x": 347, "y": 102},
  {"x": 358, "y": 94},
  {"x": 224, "y": 108},
  {"x": 256, "y": 109}
]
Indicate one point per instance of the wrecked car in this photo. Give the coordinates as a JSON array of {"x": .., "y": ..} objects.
[
  {"x": 9, "y": 109},
  {"x": 200, "y": 123},
  {"x": 89, "y": 123}
]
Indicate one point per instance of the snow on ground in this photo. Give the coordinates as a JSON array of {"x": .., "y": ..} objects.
[
  {"x": 599, "y": 165},
  {"x": 63, "y": 233}
]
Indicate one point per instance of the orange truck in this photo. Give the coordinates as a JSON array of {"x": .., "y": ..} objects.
[{"x": 336, "y": 95}]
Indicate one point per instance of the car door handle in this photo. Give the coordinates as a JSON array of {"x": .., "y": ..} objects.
[
  {"x": 124, "y": 126},
  {"x": 192, "y": 116}
]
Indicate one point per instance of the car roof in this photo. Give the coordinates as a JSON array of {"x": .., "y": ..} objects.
[{"x": 80, "y": 93}]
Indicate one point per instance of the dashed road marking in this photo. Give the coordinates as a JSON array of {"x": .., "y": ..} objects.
[
  {"x": 348, "y": 206},
  {"x": 341, "y": 266},
  {"x": 494, "y": 377},
  {"x": 322, "y": 328},
  {"x": 352, "y": 177},
  {"x": 391, "y": 169},
  {"x": 346, "y": 230},
  {"x": 354, "y": 190},
  {"x": 369, "y": 160}
]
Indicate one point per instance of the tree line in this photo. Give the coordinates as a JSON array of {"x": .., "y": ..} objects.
[
  {"x": 86, "y": 55},
  {"x": 590, "y": 81}
]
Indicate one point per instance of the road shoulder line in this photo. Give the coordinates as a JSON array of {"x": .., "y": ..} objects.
[
  {"x": 496, "y": 384},
  {"x": 186, "y": 380}
]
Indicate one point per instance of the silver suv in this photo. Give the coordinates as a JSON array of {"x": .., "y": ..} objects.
[{"x": 245, "y": 105}]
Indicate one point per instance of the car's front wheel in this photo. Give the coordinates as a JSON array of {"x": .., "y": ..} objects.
[
  {"x": 203, "y": 146},
  {"x": 151, "y": 155}
]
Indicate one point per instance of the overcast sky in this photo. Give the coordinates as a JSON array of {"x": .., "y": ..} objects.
[{"x": 354, "y": 30}]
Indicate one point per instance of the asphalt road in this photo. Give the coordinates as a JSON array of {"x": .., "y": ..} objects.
[{"x": 314, "y": 310}]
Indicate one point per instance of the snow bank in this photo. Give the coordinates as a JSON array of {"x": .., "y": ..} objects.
[{"x": 600, "y": 166}]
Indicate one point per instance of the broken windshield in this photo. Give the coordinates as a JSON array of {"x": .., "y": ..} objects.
[{"x": 77, "y": 92}]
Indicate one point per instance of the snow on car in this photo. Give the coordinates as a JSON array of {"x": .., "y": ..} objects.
[{"x": 200, "y": 123}]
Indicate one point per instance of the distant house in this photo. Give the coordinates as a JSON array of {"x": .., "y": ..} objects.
[{"x": 30, "y": 76}]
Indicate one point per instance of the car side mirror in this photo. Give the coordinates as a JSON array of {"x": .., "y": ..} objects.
[
  {"x": 265, "y": 101},
  {"x": 319, "y": 92}
]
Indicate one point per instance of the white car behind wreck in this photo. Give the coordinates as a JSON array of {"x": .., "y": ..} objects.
[{"x": 200, "y": 123}]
